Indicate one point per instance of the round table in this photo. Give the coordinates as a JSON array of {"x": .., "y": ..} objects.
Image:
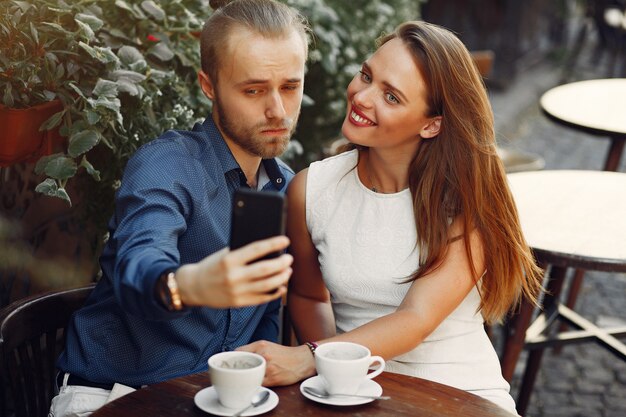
[
  {"x": 595, "y": 106},
  {"x": 410, "y": 396},
  {"x": 571, "y": 219}
]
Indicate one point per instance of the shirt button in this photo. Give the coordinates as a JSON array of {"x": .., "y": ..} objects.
[
  {"x": 279, "y": 180},
  {"x": 226, "y": 349}
]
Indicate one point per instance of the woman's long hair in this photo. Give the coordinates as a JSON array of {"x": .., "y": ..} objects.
[{"x": 459, "y": 174}]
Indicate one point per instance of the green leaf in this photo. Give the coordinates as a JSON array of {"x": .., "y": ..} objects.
[
  {"x": 131, "y": 76},
  {"x": 7, "y": 99},
  {"x": 92, "y": 117},
  {"x": 104, "y": 102},
  {"x": 62, "y": 194},
  {"x": 307, "y": 101},
  {"x": 47, "y": 187},
  {"x": 78, "y": 91},
  {"x": 61, "y": 168},
  {"x": 49, "y": 95},
  {"x": 43, "y": 161},
  {"x": 153, "y": 9},
  {"x": 119, "y": 34},
  {"x": 94, "y": 22},
  {"x": 53, "y": 121},
  {"x": 56, "y": 27},
  {"x": 104, "y": 55},
  {"x": 136, "y": 12},
  {"x": 126, "y": 86},
  {"x": 161, "y": 51},
  {"x": 95, "y": 174},
  {"x": 86, "y": 30},
  {"x": 82, "y": 142},
  {"x": 129, "y": 55},
  {"x": 91, "y": 51},
  {"x": 105, "y": 88},
  {"x": 123, "y": 5},
  {"x": 50, "y": 188},
  {"x": 24, "y": 5},
  {"x": 34, "y": 33}
]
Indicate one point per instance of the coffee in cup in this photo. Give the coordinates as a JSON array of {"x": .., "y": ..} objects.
[
  {"x": 236, "y": 377},
  {"x": 343, "y": 366}
]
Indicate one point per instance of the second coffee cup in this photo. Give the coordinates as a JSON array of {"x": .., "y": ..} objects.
[{"x": 343, "y": 366}]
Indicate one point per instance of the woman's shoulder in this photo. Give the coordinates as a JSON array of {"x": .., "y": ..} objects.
[{"x": 333, "y": 165}]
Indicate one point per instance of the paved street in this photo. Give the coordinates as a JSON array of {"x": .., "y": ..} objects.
[{"x": 583, "y": 380}]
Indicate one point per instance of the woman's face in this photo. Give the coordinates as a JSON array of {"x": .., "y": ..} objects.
[{"x": 387, "y": 101}]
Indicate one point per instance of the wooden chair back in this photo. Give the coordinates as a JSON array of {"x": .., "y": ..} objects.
[{"x": 32, "y": 335}]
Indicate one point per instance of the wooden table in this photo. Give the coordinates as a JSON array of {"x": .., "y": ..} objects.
[
  {"x": 597, "y": 107},
  {"x": 409, "y": 397},
  {"x": 571, "y": 219}
]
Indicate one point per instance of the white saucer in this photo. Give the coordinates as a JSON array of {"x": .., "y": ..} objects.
[
  {"x": 206, "y": 400},
  {"x": 368, "y": 387}
]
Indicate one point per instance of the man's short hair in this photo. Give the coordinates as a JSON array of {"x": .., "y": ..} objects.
[{"x": 269, "y": 18}]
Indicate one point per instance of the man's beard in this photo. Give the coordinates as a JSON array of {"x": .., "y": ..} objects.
[{"x": 248, "y": 137}]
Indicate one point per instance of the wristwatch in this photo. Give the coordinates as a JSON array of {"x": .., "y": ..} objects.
[{"x": 167, "y": 291}]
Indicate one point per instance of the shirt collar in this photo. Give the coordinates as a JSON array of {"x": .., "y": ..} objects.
[{"x": 228, "y": 162}]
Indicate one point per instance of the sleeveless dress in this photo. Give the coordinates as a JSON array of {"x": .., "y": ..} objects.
[{"x": 367, "y": 246}]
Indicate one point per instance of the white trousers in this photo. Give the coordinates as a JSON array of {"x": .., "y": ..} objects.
[{"x": 80, "y": 401}]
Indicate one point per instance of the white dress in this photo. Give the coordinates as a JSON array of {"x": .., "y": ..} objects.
[{"x": 367, "y": 245}]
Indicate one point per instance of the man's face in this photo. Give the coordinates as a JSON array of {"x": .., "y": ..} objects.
[{"x": 257, "y": 97}]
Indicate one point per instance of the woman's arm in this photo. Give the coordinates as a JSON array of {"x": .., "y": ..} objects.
[
  {"x": 427, "y": 303},
  {"x": 308, "y": 299}
]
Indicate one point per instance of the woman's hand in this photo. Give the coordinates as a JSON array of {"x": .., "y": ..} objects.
[{"x": 286, "y": 365}]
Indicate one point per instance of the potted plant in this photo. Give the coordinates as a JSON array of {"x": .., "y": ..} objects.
[
  {"x": 119, "y": 73},
  {"x": 122, "y": 71}
]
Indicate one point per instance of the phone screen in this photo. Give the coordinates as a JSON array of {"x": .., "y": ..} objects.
[{"x": 256, "y": 215}]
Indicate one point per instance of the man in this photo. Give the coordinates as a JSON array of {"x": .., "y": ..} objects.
[{"x": 172, "y": 294}]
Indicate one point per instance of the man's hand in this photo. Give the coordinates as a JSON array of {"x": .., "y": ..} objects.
[
  {"x": 286, "y": 365},
  {"x": 228, "y": 279}
]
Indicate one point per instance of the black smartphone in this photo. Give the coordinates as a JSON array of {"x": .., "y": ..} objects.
[{"x": 257, "y": 215}]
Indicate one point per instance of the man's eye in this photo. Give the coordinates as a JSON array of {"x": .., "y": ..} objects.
[
  {"x": 252, "y": 91},
  {"x": 365, "y": 77}
]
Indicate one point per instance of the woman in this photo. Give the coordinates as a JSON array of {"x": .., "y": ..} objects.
[{"x": 410, "y": 240}]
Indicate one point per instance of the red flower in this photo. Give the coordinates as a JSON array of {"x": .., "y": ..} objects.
[{"x": 153, "y": 38}]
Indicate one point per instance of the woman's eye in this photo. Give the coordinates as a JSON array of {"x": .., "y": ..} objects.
[
  {"x": 391, "y": 98},
  {"x": 365, "y": 77}
]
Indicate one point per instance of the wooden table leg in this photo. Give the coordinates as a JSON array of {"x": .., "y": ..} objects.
[
  {"x": 615, "y": 153},
  {"x": 528, "y": 381},
  {"x": 515, "y": 339},
  {"x": 553, "y": 292},
  {"x": 572, "y": 295}
]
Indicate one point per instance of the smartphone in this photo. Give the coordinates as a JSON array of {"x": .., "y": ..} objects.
[{"x": 257, "y": 215}]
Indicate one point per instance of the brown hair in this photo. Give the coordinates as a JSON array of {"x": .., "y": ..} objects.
[
  {"x": 266, "y": 17},
  {"x": 459, "y": 174}
]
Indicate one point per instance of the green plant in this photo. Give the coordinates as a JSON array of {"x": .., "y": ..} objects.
[{"x": 124, "y": 70}]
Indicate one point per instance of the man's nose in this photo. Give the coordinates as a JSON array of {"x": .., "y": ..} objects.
[{"x": 275, "y": 108}]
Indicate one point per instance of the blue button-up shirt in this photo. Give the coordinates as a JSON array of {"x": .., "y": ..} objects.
[{"x": 173, "y": 208}]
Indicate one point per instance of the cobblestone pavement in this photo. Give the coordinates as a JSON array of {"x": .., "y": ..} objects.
[{"x": 583, "y": 380}]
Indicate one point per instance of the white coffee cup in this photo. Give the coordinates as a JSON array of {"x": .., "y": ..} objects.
[
  {"x": 236, "y": 377},
  {"x": 343, "y": 366}
]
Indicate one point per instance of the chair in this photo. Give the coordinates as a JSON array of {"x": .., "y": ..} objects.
[{"x": 32, "y": 334}]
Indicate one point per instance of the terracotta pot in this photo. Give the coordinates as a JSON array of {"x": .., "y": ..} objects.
[{"x": 20, "y": 138}]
